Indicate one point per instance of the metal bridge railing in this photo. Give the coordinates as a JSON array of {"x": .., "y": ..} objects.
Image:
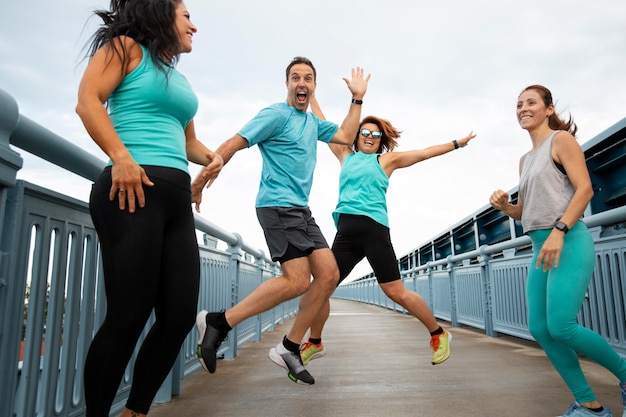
[{"x": 51, "y": 287}]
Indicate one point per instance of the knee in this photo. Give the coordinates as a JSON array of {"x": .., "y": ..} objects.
[
  {"x": 332, "y": 280},
  {"x": 396, "y": 294},
  {"x": 539, "y": 330},
  {"x": 328, "y": 281},
  {"x": 560, "y": 331},
  {"x": 299, "y": 287}
]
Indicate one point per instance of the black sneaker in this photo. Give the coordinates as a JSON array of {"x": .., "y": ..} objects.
[
  {"x": 209, "y": 340},
  {"x": 292, "y": 363}
]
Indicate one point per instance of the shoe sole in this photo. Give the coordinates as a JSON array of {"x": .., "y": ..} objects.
[
  {"x": 449, "y": 344},
  {"x": 199, "y": 353},
  {"x": 278, "y": 360},
  {"x": 315, "y": 356},
  {"x": 201, "y": 327},
  {"x": 207, "y": 352}
]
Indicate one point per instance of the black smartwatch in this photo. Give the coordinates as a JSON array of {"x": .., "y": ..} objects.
[{"x": 562, "y": 227}]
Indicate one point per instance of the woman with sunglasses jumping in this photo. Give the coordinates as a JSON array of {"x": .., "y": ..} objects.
[{"x": 363, "y": 227}]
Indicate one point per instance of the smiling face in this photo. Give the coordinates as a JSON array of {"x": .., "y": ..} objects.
[
  {"x": 300, "y": 86},
  {"x": 184, "y": 27},
  {"x": 368, "y": 144},
  {"x": 532, "y": 111}
]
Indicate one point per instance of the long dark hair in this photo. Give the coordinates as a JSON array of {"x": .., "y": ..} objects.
[
  {"x": 554, "y": 121},
  {"x": 148, "y": 22},
  {"x": 389, "y": 134}
]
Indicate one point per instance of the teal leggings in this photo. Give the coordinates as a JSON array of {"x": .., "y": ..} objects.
[{"x": 554, "y": 299}]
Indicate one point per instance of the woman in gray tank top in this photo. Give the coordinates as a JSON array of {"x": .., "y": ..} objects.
[{"x": 554, "y": 192}]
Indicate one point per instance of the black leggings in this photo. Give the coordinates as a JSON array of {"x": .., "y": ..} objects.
[
  {"x": 361, "y": 237},
  {"x": 150, "y": 262}
]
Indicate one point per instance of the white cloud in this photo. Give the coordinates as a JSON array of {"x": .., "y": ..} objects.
[{"x": 439, "y": 70}]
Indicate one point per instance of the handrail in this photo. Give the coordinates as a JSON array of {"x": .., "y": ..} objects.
[
  {"x": 26, "y": 134},
  {"x": 611, "y": 216}
]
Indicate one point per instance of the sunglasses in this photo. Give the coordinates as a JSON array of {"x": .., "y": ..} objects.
[{"x": 366, "y": 133}]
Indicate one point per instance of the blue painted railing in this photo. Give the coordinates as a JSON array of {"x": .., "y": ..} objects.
[
  {"x": 51, "y": 287},
  {"x": 474, "y": 273},
  {"x": 50, "y": 280}
]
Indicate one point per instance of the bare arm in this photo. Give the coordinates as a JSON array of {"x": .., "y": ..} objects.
[
  {"x": 567, "y": 152},
  {"x": 500, "y": 201},
  {"x": 348, "y": 129},
  {"x": 340, "y": 151},
  {"x": 391, "y": 161},
  {"x": 103, "y": 74},
  {"x": 197, "y": 152},
  {"x": 221, "y": 156}
]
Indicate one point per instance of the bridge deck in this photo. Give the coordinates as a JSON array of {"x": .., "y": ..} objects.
[{"x": 378, "y": 364}]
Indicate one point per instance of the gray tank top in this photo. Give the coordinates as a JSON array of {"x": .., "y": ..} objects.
[{"x": 545, "y": 191}]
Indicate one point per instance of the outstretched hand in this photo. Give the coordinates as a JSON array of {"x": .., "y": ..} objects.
[
  {"x": 358, "y": 84},
  {"x": 463, "y": 142}
]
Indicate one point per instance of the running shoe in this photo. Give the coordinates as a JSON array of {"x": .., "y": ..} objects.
[
  {"x": 623, "y": 387},
  {"x": 577, "y": 410},
  {"x": 310, "y": 351},
  {"x": 292, "y": 363},
  {"x": 209, "y": 340},
  {"x": 441, "y": 347}
]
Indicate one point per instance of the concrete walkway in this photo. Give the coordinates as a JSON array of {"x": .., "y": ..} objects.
[{"x": 378, "y": 365}]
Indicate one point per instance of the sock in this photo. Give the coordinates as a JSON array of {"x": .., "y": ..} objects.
[
  {"x": 436, "y": 332},
  {"x": 218, "y": 320},
  {"x": 596, "y": 410},
  {"x": 291, "y": 346},
  {"x": 221, "y": 321},
  {"x": 315, "y": 341}
]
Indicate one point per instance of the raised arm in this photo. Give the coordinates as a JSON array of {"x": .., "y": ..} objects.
[
  {"x": 358, "y": 87},
  {"x": 391, "y": 161},
  {"x": 339, "y": 150}
]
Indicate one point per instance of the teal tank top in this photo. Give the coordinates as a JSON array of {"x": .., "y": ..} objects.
[
  {"x": 150, "y": 112},
  {"x": 363, "y": 188}
]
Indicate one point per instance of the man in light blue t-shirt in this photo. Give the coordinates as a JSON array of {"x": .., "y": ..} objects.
[{"x": 287, "y": 135}]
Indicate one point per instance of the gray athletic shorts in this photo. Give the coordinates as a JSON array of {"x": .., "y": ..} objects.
[{"x": 290, "y": 232}]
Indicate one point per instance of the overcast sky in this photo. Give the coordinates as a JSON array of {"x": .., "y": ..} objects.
[{"x": 439, "y": 70}]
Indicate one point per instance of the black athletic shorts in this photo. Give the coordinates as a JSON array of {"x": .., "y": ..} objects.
[{"x": 290, "y": 232}]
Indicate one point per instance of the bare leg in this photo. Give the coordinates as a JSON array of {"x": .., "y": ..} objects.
[
  {"x": 319, "y": 321},
  {"x": 397, "y": 292},
  {"x": 325, "y": 278},
  {"x": 294, "y": 282},
  {"x": 412, "y": 302}
]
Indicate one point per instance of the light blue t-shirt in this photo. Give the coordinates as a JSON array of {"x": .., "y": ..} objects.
[
  {"x": 150, "y": 113},
  {"x": 362, "y": 188},
  {"x": 287, "y": 139}
]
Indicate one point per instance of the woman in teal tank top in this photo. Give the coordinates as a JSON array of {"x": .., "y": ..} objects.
[
  {"x": 141, "y": 204},
  {"x": 363, "y": 226},
  {"x": 554, "y": 191}
]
